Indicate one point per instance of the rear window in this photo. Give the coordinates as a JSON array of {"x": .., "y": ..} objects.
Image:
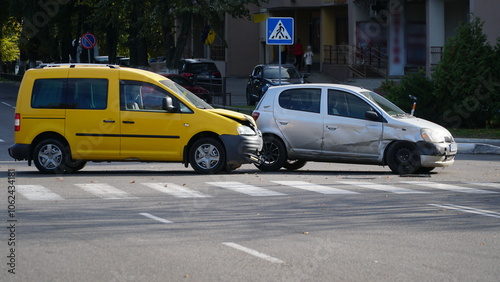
[
  {"x": 72, "y": 93},
  {"x": 307, "y": 100},
  {"x": 201, "y": 67}
]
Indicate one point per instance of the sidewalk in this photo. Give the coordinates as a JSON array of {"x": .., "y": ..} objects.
[{"x": 237, "y": 87}]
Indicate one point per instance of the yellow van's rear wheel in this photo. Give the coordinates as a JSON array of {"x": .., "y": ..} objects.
[
  {"x": 50, "y": 156},
  {"x": 207, "y": 155}
]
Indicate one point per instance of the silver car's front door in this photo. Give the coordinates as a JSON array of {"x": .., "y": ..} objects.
[
  {"x": 297, "y": 115},
  {"x": 348, "y": 135}
]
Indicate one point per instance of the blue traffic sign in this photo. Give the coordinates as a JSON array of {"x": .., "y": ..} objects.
[
  {"x": 279, "y": 31},
  {"x": 88, "y": 41}
]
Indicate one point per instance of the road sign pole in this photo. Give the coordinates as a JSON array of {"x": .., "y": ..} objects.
[{"x": 279, "y": 64}]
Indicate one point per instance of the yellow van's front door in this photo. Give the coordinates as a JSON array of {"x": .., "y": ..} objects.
[{"x": 148, "y": 133}]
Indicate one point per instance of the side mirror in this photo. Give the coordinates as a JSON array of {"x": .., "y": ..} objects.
[
  {"x": 167, "y": 104},
  {"x": 371, "y": 115}
]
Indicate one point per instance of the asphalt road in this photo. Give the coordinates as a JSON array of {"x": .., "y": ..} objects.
[
  {"x": 162, "y": 222},
  {"x": 325, "y": 222}
]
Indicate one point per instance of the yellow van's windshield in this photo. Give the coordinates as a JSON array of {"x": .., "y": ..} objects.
[{"x": 186, "y": 94}]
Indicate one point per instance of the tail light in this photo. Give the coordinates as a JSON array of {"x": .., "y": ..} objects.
[
  {"x": 216, "y": 74},
  {"x": 17, "y": 122},
  {"x": 255, "y": 115}
]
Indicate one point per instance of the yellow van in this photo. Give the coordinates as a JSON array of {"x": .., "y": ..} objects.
[{"x": 67, "y": 115}]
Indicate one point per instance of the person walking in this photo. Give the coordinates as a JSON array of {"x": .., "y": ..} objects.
[
  {"x": 308, "y": 57},
  {"x": 298, "y": 52}
]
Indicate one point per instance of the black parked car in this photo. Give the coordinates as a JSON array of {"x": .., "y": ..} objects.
[
  {"x": 265, "y": 76},
  {"x": 199, "y": 69}
]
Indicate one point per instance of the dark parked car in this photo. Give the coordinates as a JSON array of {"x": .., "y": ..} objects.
[
  {"x": 199, "y": 69},
  {"x": 189, "y": 85},
  {"x": 264, "y": 76}
]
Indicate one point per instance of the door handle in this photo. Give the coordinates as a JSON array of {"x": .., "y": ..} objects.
[
  {"x": 128, "y": 121},
  {"x": 283, "y": 122},
  {"x": 331, "y": 127},
  {"x": 109, "y": 121}
]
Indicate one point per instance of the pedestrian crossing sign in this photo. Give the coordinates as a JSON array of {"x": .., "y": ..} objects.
[{"x": 279, "y": 31}]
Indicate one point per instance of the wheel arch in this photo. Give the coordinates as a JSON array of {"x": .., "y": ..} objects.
[
  {"x": 395, "y": 143},
  {"x": 43, "y": 136},
  {"x": 195, "y": 138}
]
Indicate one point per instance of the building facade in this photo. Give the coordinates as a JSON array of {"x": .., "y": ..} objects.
[{"x": 385, "y": 38}]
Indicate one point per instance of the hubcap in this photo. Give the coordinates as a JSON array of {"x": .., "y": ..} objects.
[
  {"x": 50, "y": 156},
  {"x": 207, "y": 156}
]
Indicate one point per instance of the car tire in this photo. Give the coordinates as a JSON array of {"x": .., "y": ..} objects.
[
  {"x": 250, "y": 101},
  {"x": 403, "y": 158},
  {"x": 207, "y": 156},
  {"x": 294, "y": 164},
  {"x": 51, "y": 156},
  {"x": 424, "y": 170},
  {"x": 75, "y": 165},
  {"x": 273, "y": 154}
]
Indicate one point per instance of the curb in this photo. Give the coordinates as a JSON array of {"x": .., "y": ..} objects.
[{"x": 478, "y": 149}]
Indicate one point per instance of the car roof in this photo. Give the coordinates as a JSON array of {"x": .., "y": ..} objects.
[
  {"x": 198, "y": 60},
  {"x": 316, "y": 85}
]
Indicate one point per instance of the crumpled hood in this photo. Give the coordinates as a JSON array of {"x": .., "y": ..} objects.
[
  {"x": 422, "y": 123},
  {"x": 244, "y": 119}
]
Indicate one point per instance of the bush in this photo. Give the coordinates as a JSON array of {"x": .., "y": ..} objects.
[
  {"x": 466, "y": 78},
  {"x": 417, "y": 85}
]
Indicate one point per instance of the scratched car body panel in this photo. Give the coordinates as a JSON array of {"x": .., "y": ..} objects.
[{"x": 346, "y": 124}]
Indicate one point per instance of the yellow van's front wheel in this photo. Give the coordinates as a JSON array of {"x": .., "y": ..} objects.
[{"x": 207, "y": 155}]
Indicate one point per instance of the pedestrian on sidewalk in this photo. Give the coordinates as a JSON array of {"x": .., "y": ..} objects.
[
  {"x": 298, "y": 52},
  {"x": 308, "y": 57}
]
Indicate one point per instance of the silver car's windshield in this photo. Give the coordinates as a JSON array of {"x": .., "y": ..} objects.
[
  {"x": 383, "y": 103},
  {"x": 183, "y": 92}
]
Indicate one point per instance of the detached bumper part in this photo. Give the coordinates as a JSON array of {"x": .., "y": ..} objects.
[{"x": 242, "y": 149}]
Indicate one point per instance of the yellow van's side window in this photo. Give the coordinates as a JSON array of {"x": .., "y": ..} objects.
[
  {"x": 73, "y": 93},
  {"x": 48, "y": 94}
]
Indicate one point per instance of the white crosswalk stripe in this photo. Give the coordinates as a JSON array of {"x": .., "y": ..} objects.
[
  {"x": 315, "y": 187},
  {"x": 105, "y": 191},
  {"x": 486, "y": 184},
  {"x": 176, "y": 190},
  {"x": 246, "y": 189},
  {"x": 449, "y": 187},
  {"x": 37, "y": 193},
  {"x": 382, "y": 187}
]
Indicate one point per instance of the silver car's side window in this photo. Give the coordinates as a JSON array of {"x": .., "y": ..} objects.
[
  {"x": 304, "y": 99},
  {"x": 341, "y": 103}
]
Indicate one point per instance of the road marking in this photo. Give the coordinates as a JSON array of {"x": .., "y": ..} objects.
[
  {"x": 253, "y": 252},
  {"x": 487, "y": 184},
  {"x": 468, "y": 209},
  {"x": 449, "y": 187},
  {"x": 382, "y": 187},
  {"x": 105, "y": 191},
  {"x": 8, "y": 105},
  {"x": 38, "y": 193},
  {"x": 246, "y": 189},
  {"x": 314, "y": 187},
  {"x": 176, "y": 190},
  {"x": 156, "y": 218}
]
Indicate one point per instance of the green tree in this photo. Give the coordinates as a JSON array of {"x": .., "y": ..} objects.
[{"x": 464, "y": 78}]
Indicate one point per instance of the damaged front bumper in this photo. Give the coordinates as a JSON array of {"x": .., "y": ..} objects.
[{"x": 437, "y": 154}]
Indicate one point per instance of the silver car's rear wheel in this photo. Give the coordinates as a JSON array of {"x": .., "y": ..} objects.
[{"x": 273, "y": 154}]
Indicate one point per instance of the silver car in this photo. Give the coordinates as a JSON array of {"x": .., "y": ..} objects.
[{"x": 346, "y": 124}]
